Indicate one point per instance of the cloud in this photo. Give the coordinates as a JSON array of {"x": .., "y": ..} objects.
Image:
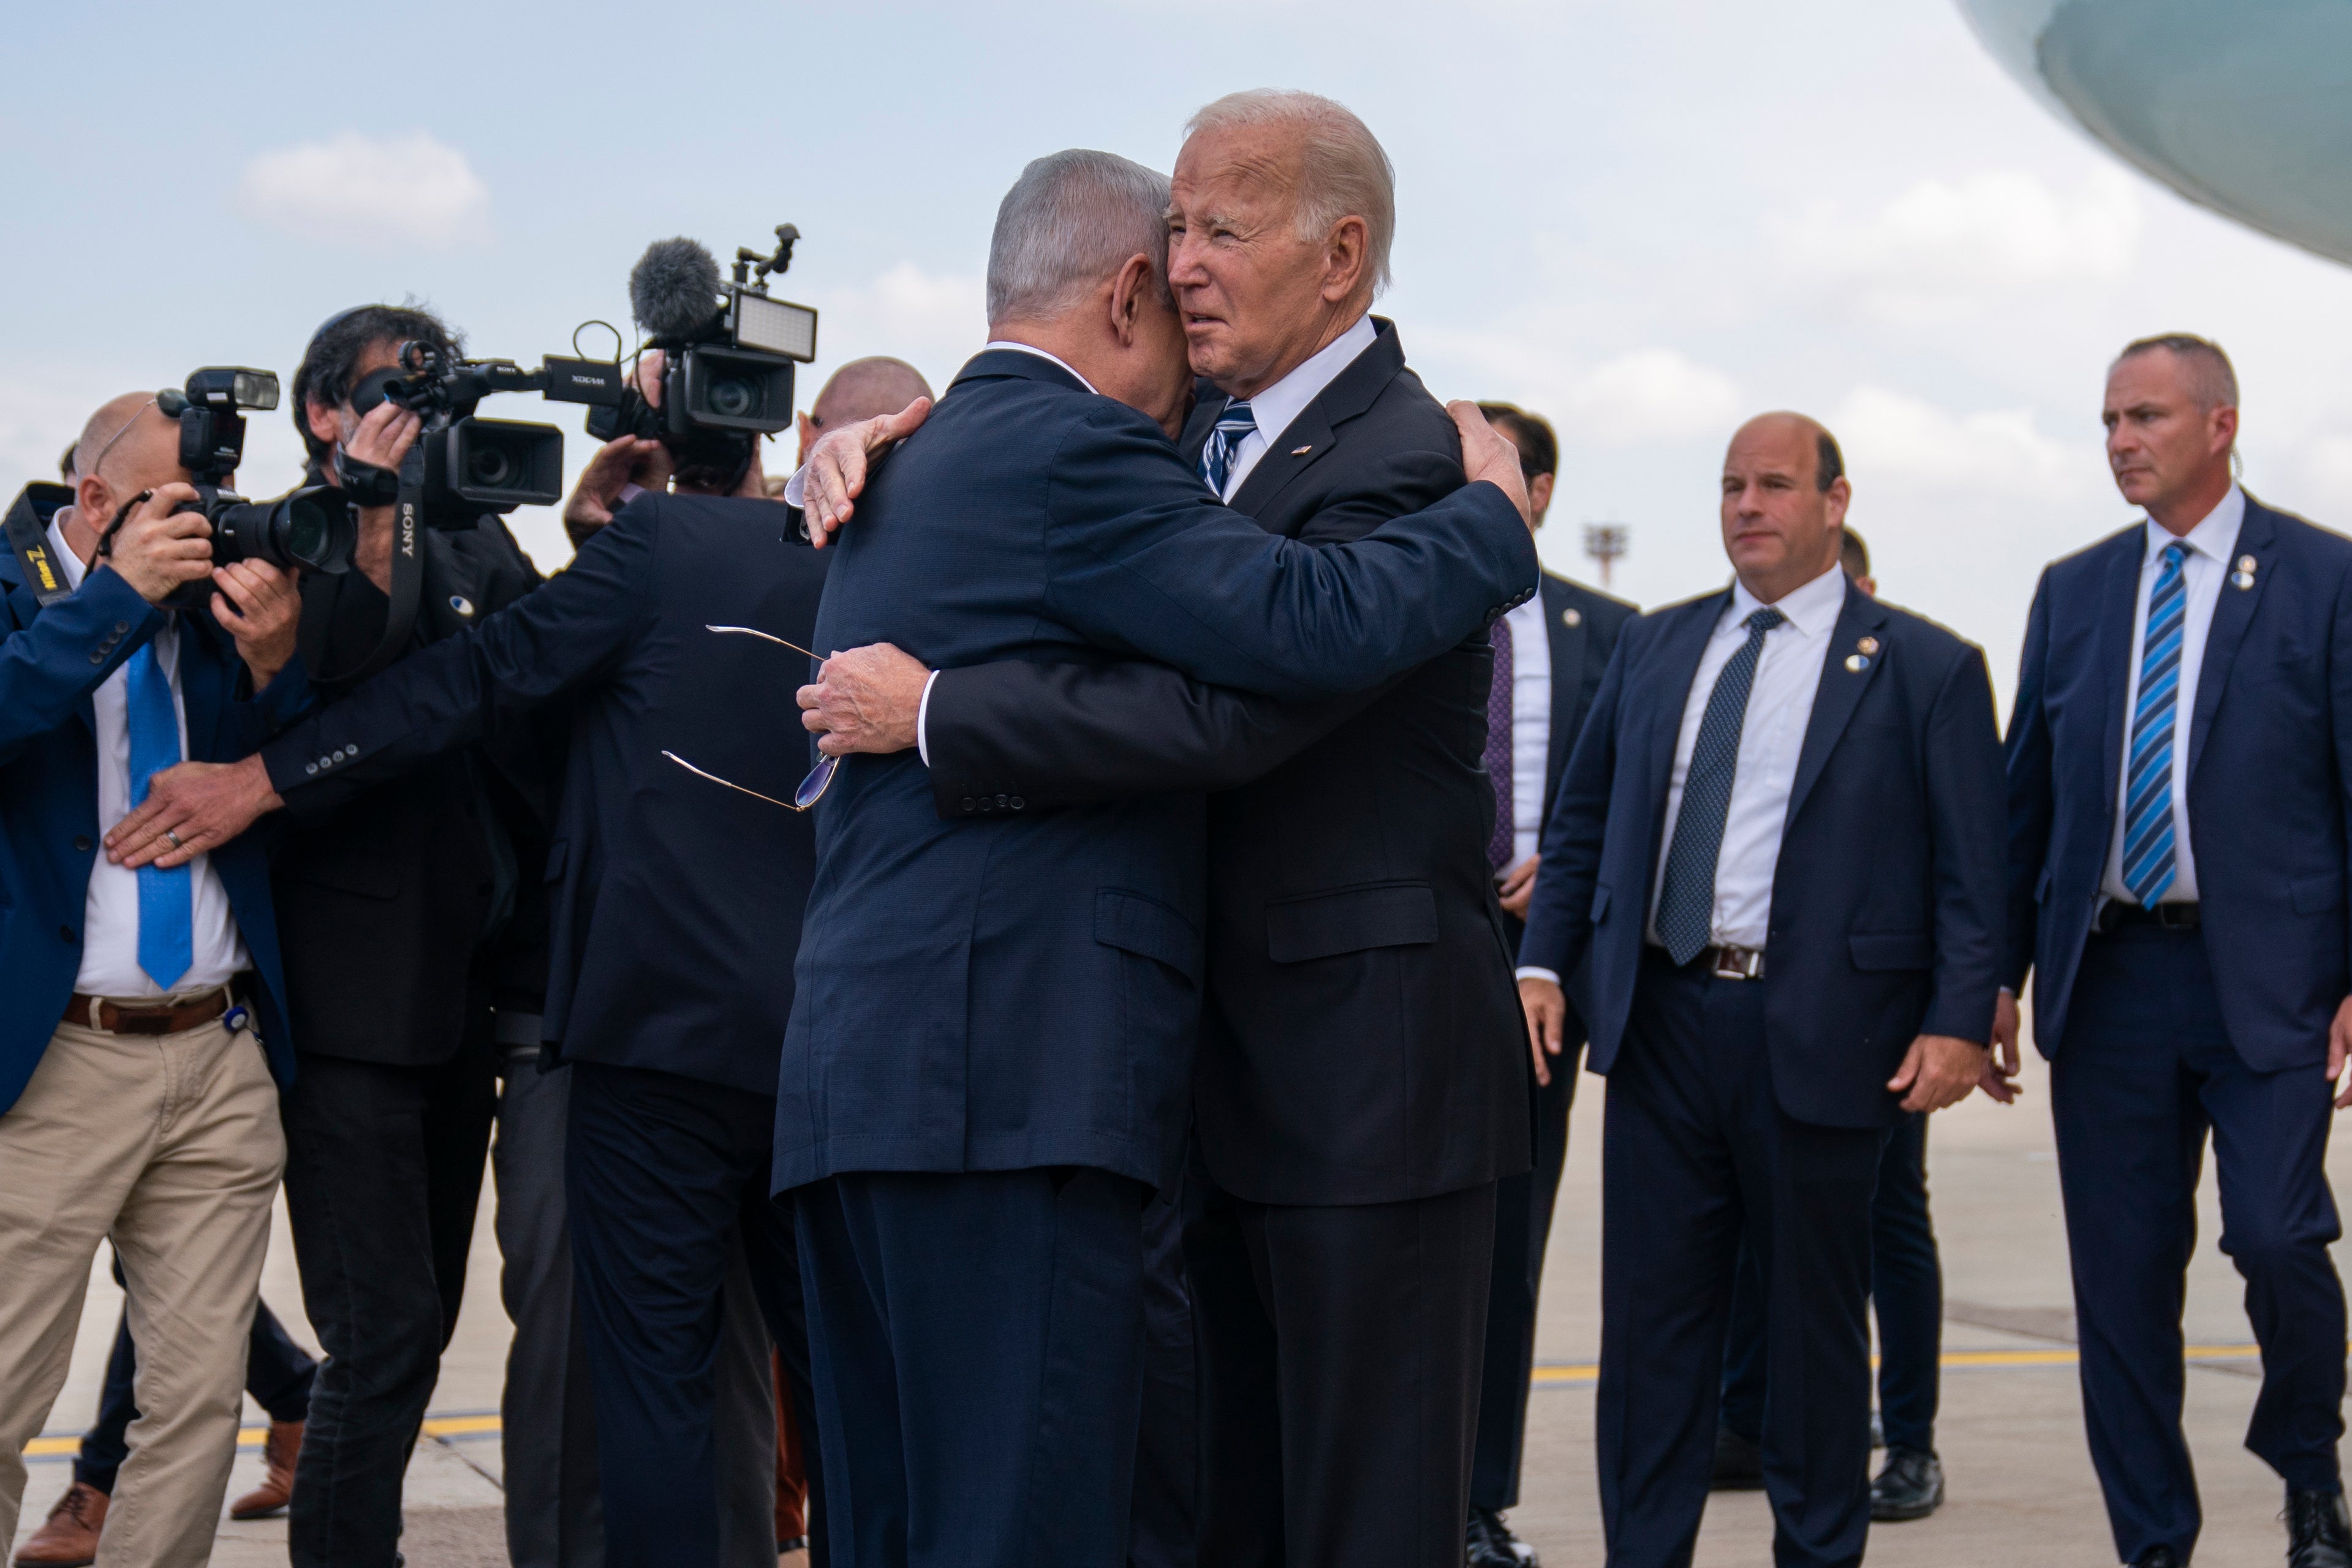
[
  {"x": 1944, "y": 248},
  {"x": 935, "y": 321},
  {"x": 1891, "y": 438},
  {"x": 361, "y": 191},
  {"x": 1643, "y": 397}
]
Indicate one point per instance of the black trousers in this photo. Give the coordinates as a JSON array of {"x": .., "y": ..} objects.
[
  {"x": 1907, "y": 1296},
  {"x": 278, "y": 1373},
  {"x": 2147, "y": 1072},
  {"x": 1523, "y": 1210},
  {"x": 977, "y": 1342},
  {"x": 1162, "y": 1526},
  {"x": 384, "y": 1170},
  {"x": 663, "y": 1175},
  {"x": 1340, "y": 1355},
  {"x": 1696, "y": 1148}
]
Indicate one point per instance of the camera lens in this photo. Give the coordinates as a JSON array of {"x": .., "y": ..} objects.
[
  {"x": 491, "y": 468},
  {"x": 733, "y": 397},
  {"x": 305, "y": 533}
]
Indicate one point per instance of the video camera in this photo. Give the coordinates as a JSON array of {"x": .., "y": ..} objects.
[
  {"x": 728, "y": 349},
  {"x": 474, "y": 465},
  {"x": 310, "y": 528}
]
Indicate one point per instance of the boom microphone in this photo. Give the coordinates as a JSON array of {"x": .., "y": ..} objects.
[{"x": 674, "y": 288}]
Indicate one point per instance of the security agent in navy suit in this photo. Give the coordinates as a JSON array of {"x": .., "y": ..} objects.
[
  {"x": 676, "y": 900},
  {"x": 971, "y": 1195},
  {"x": 1764, "y": 1001},
  {"x": 2180, "y": 806}
]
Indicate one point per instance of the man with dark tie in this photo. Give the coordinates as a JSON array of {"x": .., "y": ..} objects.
[
  {"x": 2179, "y": 820},
  {"x": 1548, "y": 656},
  {"x": 1766, "y": 999}
]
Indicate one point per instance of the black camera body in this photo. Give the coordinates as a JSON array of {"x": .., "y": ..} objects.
[
  {"x": 308, "y": 529},
  {"x": 474, "y": 465}
]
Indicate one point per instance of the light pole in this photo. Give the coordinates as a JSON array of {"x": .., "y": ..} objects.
[{"x": 1605, "y": 542}]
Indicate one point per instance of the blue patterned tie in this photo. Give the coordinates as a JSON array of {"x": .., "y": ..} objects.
[
  {"x": 1687, "y": 900},
  {"x": 167, "y": 938},
  {"x": 2148, "y": 790},
  {"x": 1217, "y": 457}
]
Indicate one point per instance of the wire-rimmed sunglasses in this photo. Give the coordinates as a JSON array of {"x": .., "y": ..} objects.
[{"x": 812, "y": 788}]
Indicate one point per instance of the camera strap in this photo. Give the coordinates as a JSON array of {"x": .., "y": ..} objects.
[
  {"x": 407, "y": 586},
  {"x": 29, "y": 536}
]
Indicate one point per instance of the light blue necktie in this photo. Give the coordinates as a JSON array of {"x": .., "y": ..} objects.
[
  {"x": 167, "y": 931},
  {"x": 2148, "y": 794},
  {"x": 1234, "y": 426},
  {"x": 1686, "y": 898}
]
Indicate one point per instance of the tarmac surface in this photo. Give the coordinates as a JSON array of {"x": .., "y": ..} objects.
[{"x": 2020, "y": 1483}]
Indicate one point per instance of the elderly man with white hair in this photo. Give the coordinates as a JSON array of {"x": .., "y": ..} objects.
[
  {"x": 1361, "y": 1086},
  {"x": 988, "y": 1067}
]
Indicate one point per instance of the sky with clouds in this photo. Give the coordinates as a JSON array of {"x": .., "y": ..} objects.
[{"x": 1644, "y": 220}]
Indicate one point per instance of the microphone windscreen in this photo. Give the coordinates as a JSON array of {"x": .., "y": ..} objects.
[{"x": 674, "y": 288}]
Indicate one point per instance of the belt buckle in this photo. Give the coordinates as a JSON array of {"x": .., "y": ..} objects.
[{"x": 1737, "y": 962}]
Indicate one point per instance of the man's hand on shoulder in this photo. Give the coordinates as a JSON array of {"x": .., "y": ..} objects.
[
  {"x": 1939, "y": 1070},
  {"x": 867, "y": 699},
  {"x": 623, "y": 461},
  {"x": 1486, "y": 454},
  {"x": 191, "y": 809},
  {"x": 838, "y": 464}
]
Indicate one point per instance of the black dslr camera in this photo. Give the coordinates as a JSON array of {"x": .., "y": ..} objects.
[
  {"x": 308, "y": 529},
  {"x": 728, "y": 349},
  {"x": 472, "y": 464}
]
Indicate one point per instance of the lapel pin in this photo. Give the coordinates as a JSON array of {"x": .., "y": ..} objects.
[
  {"x": 2246, "y": 563},
  {"x": 1867, "y": 645},
  {"x": 1572, "y": 616},
  {"x": 2242, "y": 579},
  {"x": 1302, "y": 451},
  {"x": 1856, "y": 663}
]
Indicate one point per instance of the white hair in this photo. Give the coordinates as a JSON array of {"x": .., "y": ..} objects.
[
  {"x": 1070, "y": 222},
  {"x": 1343, "y": 169}
]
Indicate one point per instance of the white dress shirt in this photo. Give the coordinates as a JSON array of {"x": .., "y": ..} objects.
[
  {"x": 2211, "y": 544},
  {"x": 110, "y": 935},
  {"x": 1275, "y": 407},
  {"x": 1530, "y": 723}
]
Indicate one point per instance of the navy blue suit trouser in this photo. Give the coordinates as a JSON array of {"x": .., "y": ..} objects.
[
  {"x": 1162, "y": 1532},
  {"x": 1694, "y": 1149},
  {"x": 1907, "y": 1296},
  {"x": 977, "y": 1342},
  {"x": 661, "y": 1172},
  {"x": 2145, "y": 1072}
]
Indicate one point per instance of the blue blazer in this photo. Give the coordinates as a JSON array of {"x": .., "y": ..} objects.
[
  {"x": 1022, "y": 987},
  {"x": 1887, "y": 896},
  {"x": 2270, "y": 782},
  {"x": 51, "y": 660},
  {"x": 675, "y": 902}
]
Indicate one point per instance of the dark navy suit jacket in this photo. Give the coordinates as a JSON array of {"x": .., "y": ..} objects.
[
  {"x": 2270, "y": 782},
  {"x": 1021, "y": 988},
  {"x": 677, "y": 901},
  {"x": 51, "y": 660},
  {"x": 1888, "y": 898}
]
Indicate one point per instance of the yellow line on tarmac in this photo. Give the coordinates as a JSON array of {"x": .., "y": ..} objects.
[{"x": 65, "y": 1448}]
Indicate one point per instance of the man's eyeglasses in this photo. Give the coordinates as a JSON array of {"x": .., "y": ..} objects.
[{"x": 812, "y": 788}]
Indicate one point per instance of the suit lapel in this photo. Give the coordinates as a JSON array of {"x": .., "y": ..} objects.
[
  {"x": 1296, "y": 449},
  {"x": 2233, "y": 613},
  {"x": 1840, "y": 691},
  {"x": 1568, "y": 646},
  {"x": 2118, "y": 604}
]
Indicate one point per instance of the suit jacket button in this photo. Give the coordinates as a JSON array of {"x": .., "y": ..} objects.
[
  {"x": 66, "y": 933},
  {"x": 969, "y": 802},
  {"x": 1018, "y": 802},
  {"x": 81, "y": 843},
  {"x": 1002, "y": 801},
  {"x": 120, "y": 627},
  {"x": 310, "y": 768},
  {"x": 97, "y": 655}
]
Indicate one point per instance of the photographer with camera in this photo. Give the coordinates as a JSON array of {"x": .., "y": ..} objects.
[
  {"x": 415, "y": 941},
  {"x": 679, "y": 882},
  {"x": 140, "y": 1100}
]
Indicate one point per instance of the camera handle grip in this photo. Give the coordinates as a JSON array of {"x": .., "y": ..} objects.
[{"x": 407, "y": 588}]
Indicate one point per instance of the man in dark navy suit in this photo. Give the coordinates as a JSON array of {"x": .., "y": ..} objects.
[
  {"x": 989, "y": 1060},
  {"x": 2180, "y": 811},
  {"x": 676, "y": 904},
  {"x": 1765, "y": 1001}
]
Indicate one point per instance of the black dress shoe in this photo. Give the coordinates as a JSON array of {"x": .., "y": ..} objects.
[
  {"x": 2157, "y": 1557},
  {"x": 1739, "y": 1463},
  {"x": 1491, "y": 1543},
  {"x": 1910, "y": 1487},
  {"x": 2317, "y": 1533}
]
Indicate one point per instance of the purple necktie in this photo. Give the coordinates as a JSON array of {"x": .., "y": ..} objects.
[{"x": 1500, "y": 848}]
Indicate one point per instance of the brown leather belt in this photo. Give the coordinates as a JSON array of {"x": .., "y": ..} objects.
[{"x": 91, "y": 1012}]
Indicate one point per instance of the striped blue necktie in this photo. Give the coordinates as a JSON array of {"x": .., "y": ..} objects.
[
  {"x": 167, "y": 937},
  {"x": 2147, "y": 864},
  {"x": 1217, "y": 457},
  {"x": 1686, "y": 898}
]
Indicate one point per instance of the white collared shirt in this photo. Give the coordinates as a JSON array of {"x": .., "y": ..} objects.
[
  {"x": 1530, "y": 723},
  {"x": 1277, "y": 407},
  {"x": 2210, "y": 543},
  {"x": 1779, "y": 707},
  {"x": 109, "y": 935}
]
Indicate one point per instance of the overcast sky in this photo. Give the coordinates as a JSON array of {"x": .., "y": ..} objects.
[{"x": 1645, "y": 221}]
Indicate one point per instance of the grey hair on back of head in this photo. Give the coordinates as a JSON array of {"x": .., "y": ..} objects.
[
  {"x": 1346, "y": 172},
  {"x": 1069, "y": 222},
  {"x": 2212, "y": 379}
]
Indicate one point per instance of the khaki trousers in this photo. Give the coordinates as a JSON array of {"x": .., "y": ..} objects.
[{"x": 171, "y": 1145}]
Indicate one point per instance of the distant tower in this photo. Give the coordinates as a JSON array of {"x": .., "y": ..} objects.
[{"x": 1605, "y": 542}]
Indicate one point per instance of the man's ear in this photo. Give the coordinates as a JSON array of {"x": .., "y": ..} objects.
[
  {"x": 320, "y": 418},
  {"x": 94, "y": 502},
  {"x": 1126, "y": 298},
  {"x": 1344, "y": 258}
]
